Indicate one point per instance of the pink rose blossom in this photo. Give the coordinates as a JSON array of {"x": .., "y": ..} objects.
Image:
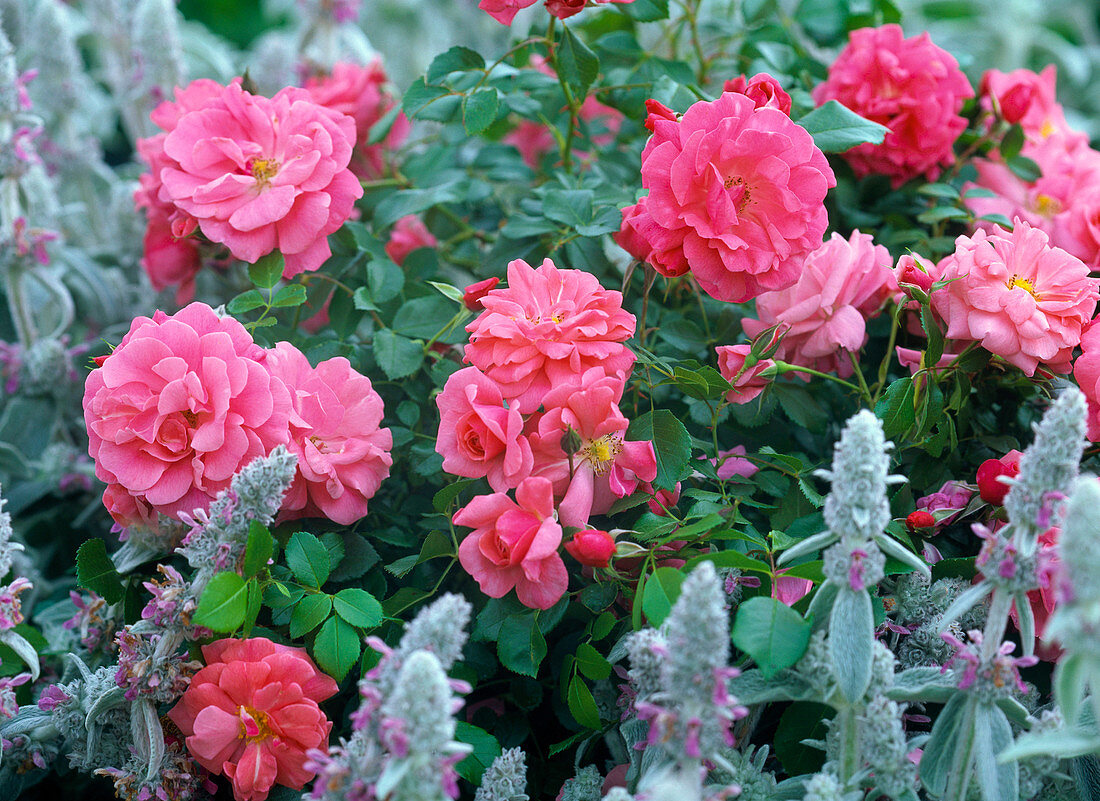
[
  {"x": 169, "y": 260},
  {"x": 1022, "y": 299},
  {"x": 637, "y": 234},
  {"x": 913, "y": 359},
  {"x": 911, "y": 86},
  {"x": 1087, "y": 372},
  {"x": 408, "y": 234},
  {"x": 1027, "y": 98},
  {"x": 252, "y": 713},
  {"x": 515, "y": 544},
  {"x": 604, "y": 466},
  {"x": 843, "y": 284},
  {"x": 259, "y": 174},
  {"x": 343, "y": 454},
  {"x": 178, "y": 407},
  {"x": 591, "y": 547},
  {"x": 737, "y": 191},
  {"x": 747, "y": 383},
  {"x": 733, "y": 463},
  {"x": 562, "y": 9},
  {"x": 949, "y": 500},
  {"x": 478, "y": 435},
  {"x": 504, "y": 11},
  {"x": 762, "y": 89},
  {"x": 790, "y": 589},
  {"x": 360, "y": 92},
  {"x": 547, "y": 327}
]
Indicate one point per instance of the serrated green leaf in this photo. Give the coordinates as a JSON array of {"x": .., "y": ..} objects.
[
  {"x": 485, "y": 750},
  {"x": 592, "y": 663},
  {"x": 457, "y": 59},
  {"x": 895, "y": 408},
  {"x": 479, "y": 110},
  {"x": 358, "y": 607},
  {"x": 671, "y": 444},
  {"x": 578, "y": 65},
  {"x": 520, "y": 645},
  {"x": 309, "y": 613},
  {"x": 836, "y": 129},
  {"x": 289, "y": 296},
  {"x": 246, "y": 302},
  {"x": 260, "y": 547},
  {"x": 662, "y": 589},
  {"x": 582, "y": 705},
  {"x": 267, "y": 270},
  {"x": 253, "y": 601},
  {"x": 398, "y": 356},
  {"x": 446, "y": 496},
  {"x": 96, "y": 572},
  {"x": 223, "y": 604},
  {"x": 772, "y": 633},
  {"x": 337, "y": 647},
  {"x": 308, "y": 559}
]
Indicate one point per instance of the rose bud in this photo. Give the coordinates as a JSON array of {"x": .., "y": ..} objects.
[
  {"x": 992, "y": 490},
  {"x": 591, "y": 547},
  {"x": 920, "y": 519},
  {"x": 473, "y": 294}
]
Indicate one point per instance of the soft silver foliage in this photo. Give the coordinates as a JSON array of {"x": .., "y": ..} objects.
[
  {"x": 857, "y": 508},
  {"x": 587, "y": 785},
  {"x": 505, "y": 779}
]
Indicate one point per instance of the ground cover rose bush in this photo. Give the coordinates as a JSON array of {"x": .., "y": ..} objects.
[{"x": 523, "y": 429}]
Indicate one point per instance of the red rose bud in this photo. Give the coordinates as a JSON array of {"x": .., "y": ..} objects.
[
  {"x": 920, "y": 519},
  {"x": 763, "y": 90},
  {"x": 100, "y": 359},
  {"x": 591, "y": 547},
  {"x": 473, "y": 294},
  {"x": 658, "y": 111},
  {"x": 992, "y": 490},
  {"x": 911, "y": 271}
]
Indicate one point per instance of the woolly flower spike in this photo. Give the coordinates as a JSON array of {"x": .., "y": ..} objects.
[
  {"x": 7, "y": 547},
  {"x": 857, "y": 508},
  {"x": 418, "y": 728},
  {"x": 505, "y": 779},
  {"x": 439, "y": 628},
  {"x": 886, "y": 748},
  {"x": 826, "y": 787},
  {"x": 1048, "y": 468},
  {"x": 1078, "y": 546}
]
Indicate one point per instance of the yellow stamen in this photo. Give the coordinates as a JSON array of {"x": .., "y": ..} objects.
[
  {"x": 263, "y": 170},
  {"x": 1047, "y": 206},
  {"x": 602, "y": 452},
  {"x": 1046, "y": 129},
  {"x": 1022, "y": 283}
]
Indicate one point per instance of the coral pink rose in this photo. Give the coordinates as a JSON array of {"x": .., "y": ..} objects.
[
  {"x": 504, "y": 11},
  {"x": 563, "y": 9},
  {"x": 747, "y": 383},
  {"x": 547, "y": 327},
  {"x": 1022, "y": 299},
  {"x": 1087, "y": 372},
  {"x": 343, "y": 454},
  {"x": 591, "y": 547},
  {"x": 478, "y": 435},
  {"x": 359, "y": 91},
  {"x": 515, "y": 544},
  {"x": 844, "y": 283},
  {"x": 637, "y": 235},
  {"x": 604, "y": 466},
  {"x": 252, "y": 713},
  {"x": 408, "y": 234},
  {"x": 762, "y": 89},
  {"x": 911, "y": 86},
  {"x": 179, "y": 406},
  {"x": 737, "y": 191},
  {"x": 259, "y": 174}
]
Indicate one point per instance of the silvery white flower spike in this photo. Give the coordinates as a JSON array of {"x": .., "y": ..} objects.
[
  {"x": 857, "y": 508},
  {"x": 505, "y": 779}
]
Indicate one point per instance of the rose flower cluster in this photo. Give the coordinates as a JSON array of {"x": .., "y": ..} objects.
[
  {"x": 185, "y": 401},
  {"x": 537, "y": 413}
]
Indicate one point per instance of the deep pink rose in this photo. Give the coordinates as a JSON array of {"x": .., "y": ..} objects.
[
  {"x": 252, "y": 713},
  {"x": 1022, "y": 299},
  {"x": 563, "y": 9},
  {"x": 1087, "y": 372},
  {"x": 478, "y": 435},
  {"x": 360, "y": 92},
  {"x": 911, "y": 86},
  {"x": 515, "y": 544},
  {"x": 637, "y": 235},
  {"x": 261, "y": 174},
  {"x": 988, "y": 478},
  {"x": 474, "y": 294},
  {"x": 747, "y": 383},
  {"x": 843, "y": 284},
  {"x": 504, "y": 11},
  {"x": 762, "y": 89},
  {"x": 790, "y": 589},
  {"x": 179, "y": 407},
  {"x": 343, "y": 454},
  {"x": 951, "y": 499},
  {"x": 547, "y": 327},
  {"x": 1026, "y": 98},
  {"x": 169, "y": 260},
  {"x": 737, "y": 191},
  {"x": 656, "y": 110},
  {"x": 591, "y": 547},
  {"x": 408, "y": 234}
]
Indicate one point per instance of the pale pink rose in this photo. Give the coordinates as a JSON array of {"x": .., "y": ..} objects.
[
  {"x": 515, "y": 544},
  {"x": 478, "y": 435},
  {"x": 1087, "y": 372},
  {"x": 762, "y": 89},
  {"x": 343, "y": 453},
  {"x": 504, "y": 11},
  {"x": 261, "y": 174},
  {"x": 547, "y": 327},
  {"x": 911, "y": 86},
  {"x": 843, "y": 284},
  {"x": 790, "y": 589},
  {"x": 252, "y": 713},
  {"x": 360, "y": 92},
  {"x": 747, "y": 383},
  {"x": 408, "y": 234},
  {"x": 1022, "y": 299},
  {"x": 605, "y": 465},
  {"x": 179, "y": 407},
  {"x": 738, "y": 191}
]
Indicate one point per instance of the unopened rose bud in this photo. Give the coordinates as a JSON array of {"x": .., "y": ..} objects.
[
  {"x": 592, "y": 547},
  {"x": 656, "y": 110},
  {"x": 990, "y": 487},
  {"x": 474, "y": 293},
  {"x": 920, "y": 519},
  {"x": 767, "y": 342}
]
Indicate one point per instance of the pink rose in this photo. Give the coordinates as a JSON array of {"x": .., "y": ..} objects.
[
  {"x": 562, "y": 9},
  {"x": 843, "y": 284},
  {"x": 546, "y": 327},
  {"x": 591, "y": 547},
  {"x": 952, "y": 497},
  {"x": 990, "y": 487},
  {"x": 504, "y": 11},
  {"x": 261, "y": 174},
  {"x": 737, "y": 192},
  {"x": 1087, "y": 372},
  {"x": 169, "y": 260},
  {"x": 762, "y": 89},
  {"x": 179, "y": 407},
  {"x": 252, "y": 713},
  {"x": 359, "y": 91},
  {"x": 747, "y": 383},
  {"x": 474, "y": 294},
  {"x": 911, "y": 86},
  {"x": 1026, "y": 98},
  {"x": 1022, "y": 299},
  {"x": 637, "y": 235},
  {"x": 408, "y": 234},
  {"x": 343, "y": 454},
  {"x": 790, "y": 589},
  {"x": 478, "y": 435},
  {"x": 515, "y": 544},
  {"x": 733, "y": 463}
]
